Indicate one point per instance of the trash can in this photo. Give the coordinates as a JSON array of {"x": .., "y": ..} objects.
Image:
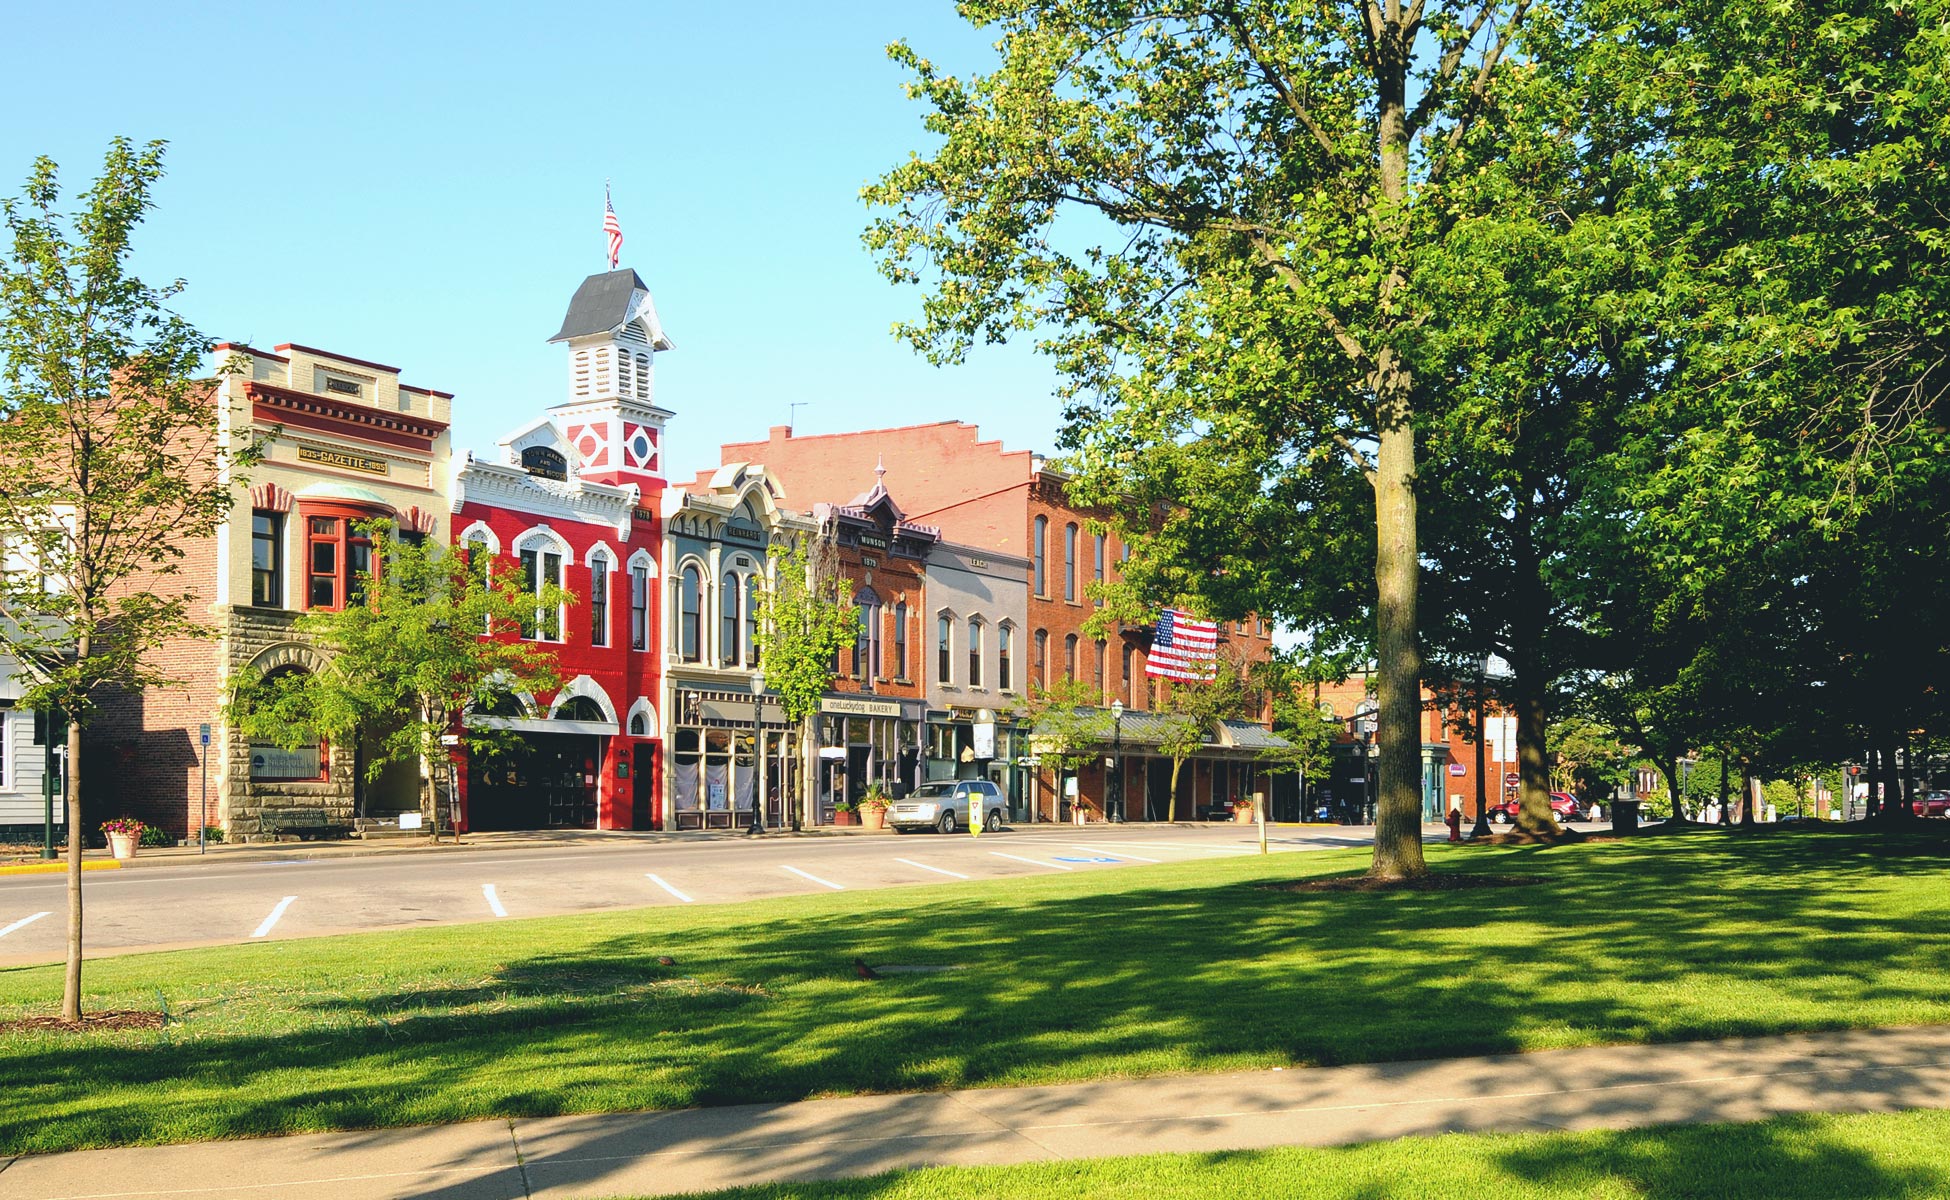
[{"x": 1625, "y": 816}]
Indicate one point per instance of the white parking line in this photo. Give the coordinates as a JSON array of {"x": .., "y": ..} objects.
[
  {"x": 1185, "y": 847},
  {"x": 494, "y": 901},
  {"x": 273, "y": 918},
  {"x": 1120, "y": 853},
  {"x": 910, "y": 862},
  {"x": 659, "y": 881},
  {"x": 1031, "y": 861},
  {"x": 22, "y": 923},
  {"x": 816, "y": 879}
]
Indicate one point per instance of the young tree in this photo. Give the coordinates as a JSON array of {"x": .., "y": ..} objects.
[
  {"x": 436, "y": 638},
  {"x": 110, "y": 462},
  {"x": 807, "y": 619},
  {"x": 1069, "y": 727},
  {"x": 1262, "y": 190}
]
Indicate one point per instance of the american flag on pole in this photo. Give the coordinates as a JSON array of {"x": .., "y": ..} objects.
[
  {"x": 1184, "y": 648},
  {"x": 612, "y": 229}
]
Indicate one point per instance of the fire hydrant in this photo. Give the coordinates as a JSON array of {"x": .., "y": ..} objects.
[{"x": 1454, "y": 820}]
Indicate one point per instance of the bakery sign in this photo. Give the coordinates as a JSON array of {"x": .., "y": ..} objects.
[{"x": 338, "y": 458}]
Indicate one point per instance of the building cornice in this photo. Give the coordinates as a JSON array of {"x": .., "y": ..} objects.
[
  {"x": 499, "y": 486},
  {"x": 286, "y": 399}
]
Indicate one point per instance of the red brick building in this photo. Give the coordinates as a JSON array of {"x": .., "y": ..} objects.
[
  {"x": 979, "y": 494},
  {"x": 574, "y": 498}
]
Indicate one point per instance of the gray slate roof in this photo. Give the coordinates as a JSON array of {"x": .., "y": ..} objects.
[{"x": 600, "y": 304}]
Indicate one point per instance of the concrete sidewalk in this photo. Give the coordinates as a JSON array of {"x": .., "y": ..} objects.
[{"x": 1612, "y": 1087}]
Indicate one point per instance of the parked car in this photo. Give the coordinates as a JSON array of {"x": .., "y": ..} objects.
[
  {"x": 943, "y": 805},
  {"x": 1564, "y": 806},
  {"x": 1934, "y": 804}
]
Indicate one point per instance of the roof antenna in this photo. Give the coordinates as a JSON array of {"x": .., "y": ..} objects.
[{"x": 791, "y": 410}]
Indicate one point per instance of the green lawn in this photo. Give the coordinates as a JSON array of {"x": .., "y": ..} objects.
[
  {"x": 1137, "y": 971},
  {"x": 1880, "y": 1157}
]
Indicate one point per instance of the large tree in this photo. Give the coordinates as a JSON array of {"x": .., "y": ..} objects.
[
  {"x": 111, "y": 462},
  {"x": 1218, "y": 215}
]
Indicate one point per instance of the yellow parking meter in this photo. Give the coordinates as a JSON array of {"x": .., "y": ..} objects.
[{"x": 975, "y": 813}]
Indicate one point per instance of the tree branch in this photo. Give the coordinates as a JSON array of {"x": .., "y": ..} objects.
[
  {"x": 1279, "y": 83},
  {"x": 1478, "y": 88},
  {"x": 1445, "y": 71}
]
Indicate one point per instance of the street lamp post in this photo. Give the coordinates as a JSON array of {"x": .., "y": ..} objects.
[
  {"x": 1482, "y": 827},
  {"x": 758, "y": 753},
  {"x": 1115, "y": 793}
]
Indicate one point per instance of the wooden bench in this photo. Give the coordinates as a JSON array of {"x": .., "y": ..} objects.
[{"x": 307, "y": 823}]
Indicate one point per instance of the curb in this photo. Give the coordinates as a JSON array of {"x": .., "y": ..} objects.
[{"x": 55, "y": 868}]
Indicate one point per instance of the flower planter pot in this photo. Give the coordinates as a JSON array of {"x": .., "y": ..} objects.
[
  {"x": 874, "y": 818},
  {"x": 846, "y": 818},
  {"x": 122, "y": 845},
  {"x": 1242, "y": 814}
]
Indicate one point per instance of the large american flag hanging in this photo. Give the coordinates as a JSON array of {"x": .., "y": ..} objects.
[
  {"x": 612, "y": 229},
  {"x": 1184, "y": 648}
]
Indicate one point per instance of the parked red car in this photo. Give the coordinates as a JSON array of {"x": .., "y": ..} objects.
[
  {"x": 1935, "y": 804},
  {"x": 1564, "y": 806}
]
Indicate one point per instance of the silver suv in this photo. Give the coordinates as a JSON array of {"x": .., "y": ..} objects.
[{"x": 943, "y": 805}]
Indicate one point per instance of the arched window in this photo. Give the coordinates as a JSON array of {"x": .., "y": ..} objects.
[
  {"x": 541, "y": 568},
  {"x": 690, "y": 603},
  {"x": 975, "y": 652},
  {"x": 1042, "y": 658},
  {"x": 900, "y": 640},
  {"x": 1004, "y": 671},
  {"x": 730, "y": 595},
  {"x": 1070, "y": 656},
  {"x": 579, "y": 708},
  {"x": 944, "y": 633},
  {"x": 599, "y": 599},
  {"x": 1097, "y": 671},
  {"x": 1039, "y": 550},
  {"x": 866, "y": 641},
  {"x": 639, "y": 725},
  {"x": 1097, "y": 565},
  {"x": 1070, "y": 561},
  {"x": 304, "y": 762},
  {"x": 752, "y": 585},
  {"x": 639, "y": 607}
]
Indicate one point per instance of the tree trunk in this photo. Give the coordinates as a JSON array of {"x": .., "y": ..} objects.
[
  {"x": 1669, "y": 767},
  {"x": 1533, "y": 717},
  {"x": 1746, "y": 796},
  {"x": 1398, "y": 667},
  {"x": 71, "y": 981},
  {"x": 1724, "y": 798},
  {"x": 1171, "y": 798}
]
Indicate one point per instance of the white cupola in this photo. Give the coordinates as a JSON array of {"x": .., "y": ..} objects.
[{"x": 610, "y": 421}]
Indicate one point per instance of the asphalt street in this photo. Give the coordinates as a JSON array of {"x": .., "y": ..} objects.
[{"x": 216, "y": 902}]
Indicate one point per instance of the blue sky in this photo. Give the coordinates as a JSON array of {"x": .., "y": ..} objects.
[{"x": 422, "y": 186}]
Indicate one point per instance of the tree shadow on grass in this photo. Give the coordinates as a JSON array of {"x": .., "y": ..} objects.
[{"x": 1625, "y": 943}]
